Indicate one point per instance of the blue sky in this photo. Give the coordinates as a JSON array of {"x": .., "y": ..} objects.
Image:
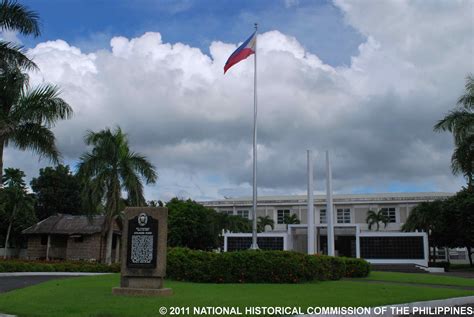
[{"x": 89, "y": 24}]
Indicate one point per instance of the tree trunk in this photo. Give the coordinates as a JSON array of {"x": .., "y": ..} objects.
[
  {"x": 7, "y": 238},
  {"x": 2, "y": 145},
  {"x": 108, "y": 246},
  {"x": 469, "y": 254}
]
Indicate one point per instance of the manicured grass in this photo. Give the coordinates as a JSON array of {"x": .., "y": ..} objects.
[
  {"x": 91, "y": 296},
  {"x": 420, "y": 278}
]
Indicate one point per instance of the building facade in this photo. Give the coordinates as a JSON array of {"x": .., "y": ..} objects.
[{"x": 353, "y": 238}]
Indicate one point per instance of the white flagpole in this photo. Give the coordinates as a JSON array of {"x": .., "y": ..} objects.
[
  {"x": 329, "y": 207},
  {"x": 254, "y": 225},
  {"x": 310, "y": 204}
]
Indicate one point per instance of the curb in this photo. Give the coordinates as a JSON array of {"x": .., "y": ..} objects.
[
  {"x": 5, "y": 315},
  {"x": 50, "y": 274},
  {"x": 455, "y": 301}
]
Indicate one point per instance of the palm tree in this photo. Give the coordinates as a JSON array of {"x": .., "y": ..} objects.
[
  {"x": 460, "y": 122},
  {"x": 377, "y": 217},
  {"x": 16, "y": 17},
  {"x": 290, "y": 220},
  {"x": 27, "y": 116},
  {"x": 263, "y": 222},
  {"x": 15, "y": 199},
  {"x": 110, "y": 168}
]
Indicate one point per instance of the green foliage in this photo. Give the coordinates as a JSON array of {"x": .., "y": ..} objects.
[
  {"x": 64, "y": 266},
  {"x": 449, "y": 223},
  {"x": 291, "y": 219},
  {"x": 259, "y": 267},
  {"x": 460, "y": 122},
  {"x": 109, "y": 169},
  {"x": 194, "y": 226},
  {"x": 377, "y": 217},
  {"x": 262, "y": 222},
  {"x": 56, "y": 190},
  {"x": 16, "y": 207},
  {"x": 16, "y": 17},
  {"x": 191, "y": 225},
  {"x": 356, "y": 267}
]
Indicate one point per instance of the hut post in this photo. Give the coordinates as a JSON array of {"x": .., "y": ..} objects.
[
  {"x": 117, "y": 249},
  {"x": 48, "y": 245}
]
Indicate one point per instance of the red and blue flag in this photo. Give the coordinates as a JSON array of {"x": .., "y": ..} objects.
[{"x": 245, "y": 50}]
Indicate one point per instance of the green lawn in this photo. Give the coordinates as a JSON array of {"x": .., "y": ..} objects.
[
  {"x": 91, "y": 296},
  {"x": 420, "y": 278}
]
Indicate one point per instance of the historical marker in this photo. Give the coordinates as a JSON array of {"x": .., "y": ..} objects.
[{"x": 143, "y": 264}]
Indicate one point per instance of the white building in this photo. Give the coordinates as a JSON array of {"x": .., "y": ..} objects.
[{"x": 352, "y": 235}]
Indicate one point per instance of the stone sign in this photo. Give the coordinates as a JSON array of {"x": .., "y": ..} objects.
[{"x": 143, "y": 263}]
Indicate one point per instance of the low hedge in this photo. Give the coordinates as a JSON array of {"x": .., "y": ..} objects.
[
  {"x": 259, "y": 267},
  {"x": 229, "y": 267},
  {"x": 60, "y": 266}
]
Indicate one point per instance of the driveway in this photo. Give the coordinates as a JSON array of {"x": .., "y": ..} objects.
[
  {"x": 12, "y": 281},
  {"x": 9, "y": 283}
]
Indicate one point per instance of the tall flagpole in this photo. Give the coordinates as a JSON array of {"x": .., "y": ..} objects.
[
  {"x": 329, "y": 207},
  {"x": 254, "y": 225}
]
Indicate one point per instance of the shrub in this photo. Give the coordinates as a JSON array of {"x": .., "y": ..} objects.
[
  {"x": 259, "y": 267},
  {"x": 356, "y": 267},
  {"x": 65, "y": 266}
]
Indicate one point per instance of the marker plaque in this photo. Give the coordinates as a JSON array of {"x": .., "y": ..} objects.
[{"x": 143, "y": 265}]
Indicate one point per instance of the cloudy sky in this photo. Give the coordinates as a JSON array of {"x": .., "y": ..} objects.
[{"x": 366, "y": 80}]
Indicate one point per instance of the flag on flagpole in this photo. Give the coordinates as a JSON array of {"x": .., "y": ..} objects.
[{"x": 245, "y": 50}]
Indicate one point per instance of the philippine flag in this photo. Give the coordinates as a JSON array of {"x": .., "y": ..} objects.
[{"x": 245, "y": 50}]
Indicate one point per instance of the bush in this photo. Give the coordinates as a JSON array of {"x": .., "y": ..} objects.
[
  {"x": 356, "y": 267},
  {"x": 229, "y": 267},
  {"x": 66, "y": 266},
  {"x": 259, "y": 267}
]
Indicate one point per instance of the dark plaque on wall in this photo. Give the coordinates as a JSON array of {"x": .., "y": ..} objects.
[{"x": 142, "y": 242}]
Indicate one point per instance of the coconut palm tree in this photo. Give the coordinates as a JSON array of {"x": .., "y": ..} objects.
[
  {"x": 110, "y": 168},
  {"x": 17, "y": 17},
  {"x": 27, "y": 115},
  {"x": 377, "y": 217},
  {"x": 263, "y": 222},
  {"x": 460, "y": 122},
  {"x": 15, "y": 200}
]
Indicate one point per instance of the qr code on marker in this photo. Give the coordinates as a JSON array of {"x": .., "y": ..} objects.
[{"x": 142, "y": 249}]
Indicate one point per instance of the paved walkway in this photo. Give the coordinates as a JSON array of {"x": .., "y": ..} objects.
[
  {"x": 469, "y": 288},
  {"x": 464, "y": 274}
]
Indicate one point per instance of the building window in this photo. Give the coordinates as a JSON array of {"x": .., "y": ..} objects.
[
  {"x": 228, "y": 212},
  {"x": 344, "y": 215},
  {"x": 322, "y": 216},
  {"x": 243, "y": 213},
  {"x": 78, "y": 239},
  {"x": 281, "y": 215},
  {"x": 390, "y": 213},
  {"x": 44, "y": 239}
]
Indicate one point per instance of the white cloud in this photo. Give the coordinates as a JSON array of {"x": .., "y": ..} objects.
[{"x": 195, "y": 124}]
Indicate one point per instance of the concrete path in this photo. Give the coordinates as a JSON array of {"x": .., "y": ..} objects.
[{"x": 468, "y": 288}]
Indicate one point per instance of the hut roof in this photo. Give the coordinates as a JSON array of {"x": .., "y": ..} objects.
[{"x": 68, "y": 224}]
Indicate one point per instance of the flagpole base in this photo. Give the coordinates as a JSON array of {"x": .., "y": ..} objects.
[{"x": 254, "y": 247}]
